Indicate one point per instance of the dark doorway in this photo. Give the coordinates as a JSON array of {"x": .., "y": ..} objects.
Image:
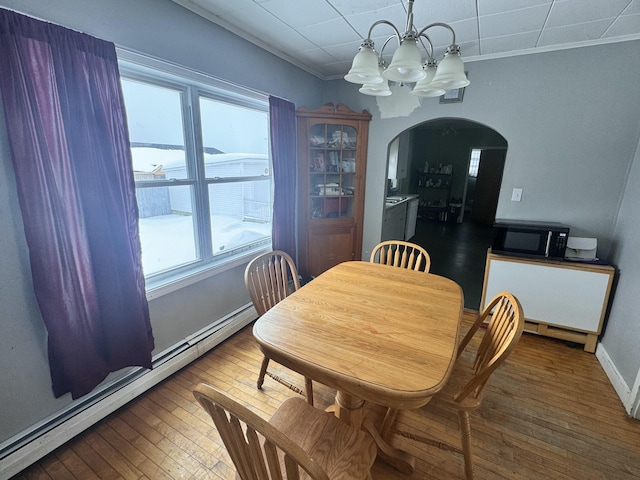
[
  {"x": 487, "y": 189},
  {"x": 458, "y": 242}
]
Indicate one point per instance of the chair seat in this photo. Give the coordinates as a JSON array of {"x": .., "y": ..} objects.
[
  {"x": 461, "y": 375},
  {"x": 343, "y": 451}
]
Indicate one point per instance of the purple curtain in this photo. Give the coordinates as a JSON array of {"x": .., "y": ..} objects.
[
  {"x": 282, "y": 116},
  {"x": 70, "y": 150}
]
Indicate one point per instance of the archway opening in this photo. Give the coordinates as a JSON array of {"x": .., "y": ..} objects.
[{"x": 455, "y": 167}]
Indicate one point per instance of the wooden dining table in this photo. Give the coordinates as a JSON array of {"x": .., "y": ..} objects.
[{"x": 375, "y": 333}]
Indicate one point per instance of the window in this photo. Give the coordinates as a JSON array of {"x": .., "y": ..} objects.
[
  {"x": 474, "y": 162},
  {"x": 202, "y": 173}
]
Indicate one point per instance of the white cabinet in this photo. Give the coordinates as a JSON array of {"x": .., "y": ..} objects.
[
  {"x": 394, "y": 222},
  {"x": 412, "y": 218},
  {"x": 563, "y": 300}
]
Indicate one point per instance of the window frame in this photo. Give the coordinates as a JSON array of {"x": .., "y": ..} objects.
[{"x": 193, "y": 86}]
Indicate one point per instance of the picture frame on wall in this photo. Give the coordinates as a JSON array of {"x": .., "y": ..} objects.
[{"x": 454, "y": 95}]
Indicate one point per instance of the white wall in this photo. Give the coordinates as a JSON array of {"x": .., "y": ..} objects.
[{"x": 161, "y": 29}]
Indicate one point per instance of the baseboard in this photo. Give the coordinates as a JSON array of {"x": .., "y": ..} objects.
[
  {"x": 35, "y": 446},
  {"x": 619, "y": 385}
]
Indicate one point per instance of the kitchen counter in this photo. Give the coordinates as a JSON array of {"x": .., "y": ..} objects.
[
  {"x": 395, "y": 200},
  {"x": 399, "y": 220}
]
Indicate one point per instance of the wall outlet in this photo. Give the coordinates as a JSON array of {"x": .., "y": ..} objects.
[{"x": 516, "y": 195}]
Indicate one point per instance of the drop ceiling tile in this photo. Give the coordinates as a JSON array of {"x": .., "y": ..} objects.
[
  {"x": 343, "y": 52},
  {"x": 332, "y": 32},
  {"x": 316, "y": 56},
  {"x": 301, "y": 13},
  {"x": 633, "y": 8},
  {"x": 513, "y": 22},
  {"x": 572, "y": 12},
  {"x": 625, "y": 25},
  {"x": 507, "y": 43},
  {"x": 218, "y": 7},
  {"x": 362, "y": 22},
  {"x": 490, "y": 7},
  {"x": 336, "y": 70},
  {"x": 465, "y": 30},
  {"x": 446, "y": 11},
  {"x": 255, "y": 21},
  {"x": 468, "y": 49},
  {"x": 291, "y": 41},
  {"x": 355, "y": 7},
  {"x": 573, "y": 33}
]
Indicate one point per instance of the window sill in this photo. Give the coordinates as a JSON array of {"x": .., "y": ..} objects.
[{"x": 184, "y": 280}]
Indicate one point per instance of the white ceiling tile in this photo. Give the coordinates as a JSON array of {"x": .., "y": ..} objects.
[
  {"x": 291, "y": 41},
  {"x": 572, "y": 12},
  {"x": 332, "y": 32},
  {"x": 490, "y": 7},
  {"x": 507, "y": 43},
  {"x": 633, "y": 8},
  {"x": 336, "y": 69},
  {"x": 255, "y": 19},
  {"x": 430, "y": 11},
  {"x": 625, "y": 25},
  {"x": 300, "y": 13},
  {"x": 316, "y": 55},
  {"x": 513, "y": 22},
  {"x": 341, "y": 53},
  {"x": 363, "y": 22},
  {"x": 354, "y": 7},
  {"x": 469, "y": 49},
  {"x": 218, "y": 7},
  {"x": 465, "y": 30},
  {"x": 573, "y": 33}
]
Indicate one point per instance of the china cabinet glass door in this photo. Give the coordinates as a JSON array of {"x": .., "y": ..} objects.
[{"x": 332, "y": 170}]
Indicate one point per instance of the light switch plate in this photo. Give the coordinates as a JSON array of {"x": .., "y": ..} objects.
[{"x": 516, "y": 195}]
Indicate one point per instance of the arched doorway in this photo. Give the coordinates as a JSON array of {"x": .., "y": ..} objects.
[{"x": 464, "y": 161}]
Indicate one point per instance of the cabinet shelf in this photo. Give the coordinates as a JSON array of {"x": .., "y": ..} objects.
[{"x": 434, "y": 189}]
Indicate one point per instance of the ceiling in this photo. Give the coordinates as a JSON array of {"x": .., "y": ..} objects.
[{"x": 322, "y": 36}]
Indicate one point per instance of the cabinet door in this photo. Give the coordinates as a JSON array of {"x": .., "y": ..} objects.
[
  {"x": 561, "y": 296},
  {"x": 332, "y": 170},
  {"x": 329, "y": 247}
]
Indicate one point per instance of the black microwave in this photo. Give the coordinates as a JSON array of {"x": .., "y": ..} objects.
[{"x": 530, "y": 239}]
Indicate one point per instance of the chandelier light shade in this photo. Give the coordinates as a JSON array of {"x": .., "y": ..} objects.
[
  {"x": 406, "y": 64},
  {"x": 364, "y": 68},
  {"x": 377, "y": 89},
  {"x": 431, "y": 79},
  {"x": 425, "y": 87},
  {"x": 450, "y": 73}
]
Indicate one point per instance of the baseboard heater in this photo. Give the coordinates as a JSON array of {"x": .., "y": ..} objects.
[{"x": 29, "y": 446}]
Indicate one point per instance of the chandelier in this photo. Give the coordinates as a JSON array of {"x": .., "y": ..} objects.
[{"x": 431, "y": 79}]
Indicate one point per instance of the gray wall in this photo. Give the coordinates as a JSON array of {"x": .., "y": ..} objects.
[
  {"x": 572, "y": 128},
  {"x": 622, "y": 333},
  {"x": 161, "y": 29}
]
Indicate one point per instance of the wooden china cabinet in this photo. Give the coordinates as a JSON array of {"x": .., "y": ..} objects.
[{"x": 332, "y": 156}]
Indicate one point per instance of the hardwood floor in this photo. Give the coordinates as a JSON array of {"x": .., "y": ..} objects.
[
  {"x": 458, "y": 251},
  {"x": 549, "y": 413}
]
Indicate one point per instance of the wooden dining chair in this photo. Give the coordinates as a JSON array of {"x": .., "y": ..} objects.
[
  {"x": 398, "y": 253},
  {"x": 298, "y": 439},
  {"x": 270, "y": 278},
  {"x": 463, "y": 391}
]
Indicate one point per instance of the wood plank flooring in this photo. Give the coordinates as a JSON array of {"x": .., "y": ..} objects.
[{"x": 549, "y": 413}]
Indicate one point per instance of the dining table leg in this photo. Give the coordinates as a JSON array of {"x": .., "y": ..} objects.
[{"x": 350, "y": 409}]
